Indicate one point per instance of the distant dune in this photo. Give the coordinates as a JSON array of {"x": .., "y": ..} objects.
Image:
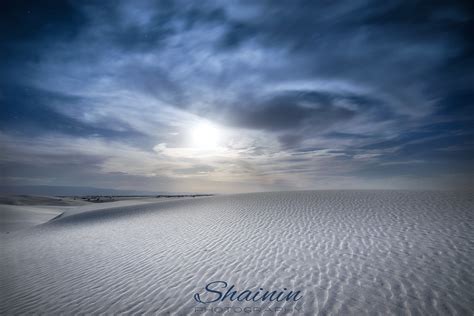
[
  {"x": 348, "y": 252},
  {"x": 50, "y": 190},
  {"x": 23, "y": 211},
  {"x": 34, "y": 200}
]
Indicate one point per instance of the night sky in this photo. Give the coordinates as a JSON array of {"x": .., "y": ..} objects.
[{"x": 298, "y": 94}]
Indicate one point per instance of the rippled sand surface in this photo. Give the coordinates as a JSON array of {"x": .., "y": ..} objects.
[{"x": 349, "y": 252}]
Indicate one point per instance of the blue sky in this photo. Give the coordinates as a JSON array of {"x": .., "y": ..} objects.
[{"x": 294, "y": 95}]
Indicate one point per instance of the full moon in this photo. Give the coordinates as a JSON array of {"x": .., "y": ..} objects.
[{"x": 205, "y": 135}]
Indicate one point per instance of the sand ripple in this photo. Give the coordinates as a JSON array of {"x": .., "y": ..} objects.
[{"x": 349, "y": 252}]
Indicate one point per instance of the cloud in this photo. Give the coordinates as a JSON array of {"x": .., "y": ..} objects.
[
  {"x": 307, "y": 95},
  {"x": 290, "y": 110}
]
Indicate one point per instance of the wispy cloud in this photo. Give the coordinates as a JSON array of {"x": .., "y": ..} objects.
[{"x": 305, "y": 95}]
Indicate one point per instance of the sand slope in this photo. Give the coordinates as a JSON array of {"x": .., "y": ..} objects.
[
  {"x": 23, "y": 211},
  {"x": 16, "y": 217},
  {"x": 351, "y": 253}
]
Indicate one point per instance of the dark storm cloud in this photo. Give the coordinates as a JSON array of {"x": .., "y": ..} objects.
[{"x": 368, "y": 85}]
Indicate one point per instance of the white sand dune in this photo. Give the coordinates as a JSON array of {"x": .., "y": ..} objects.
[
  {"x": 24, "y": 211},
  {"x": 348, "y": 252},
  {"x": 16, "y": 217},
  {"x": 109, "y": 205}
]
